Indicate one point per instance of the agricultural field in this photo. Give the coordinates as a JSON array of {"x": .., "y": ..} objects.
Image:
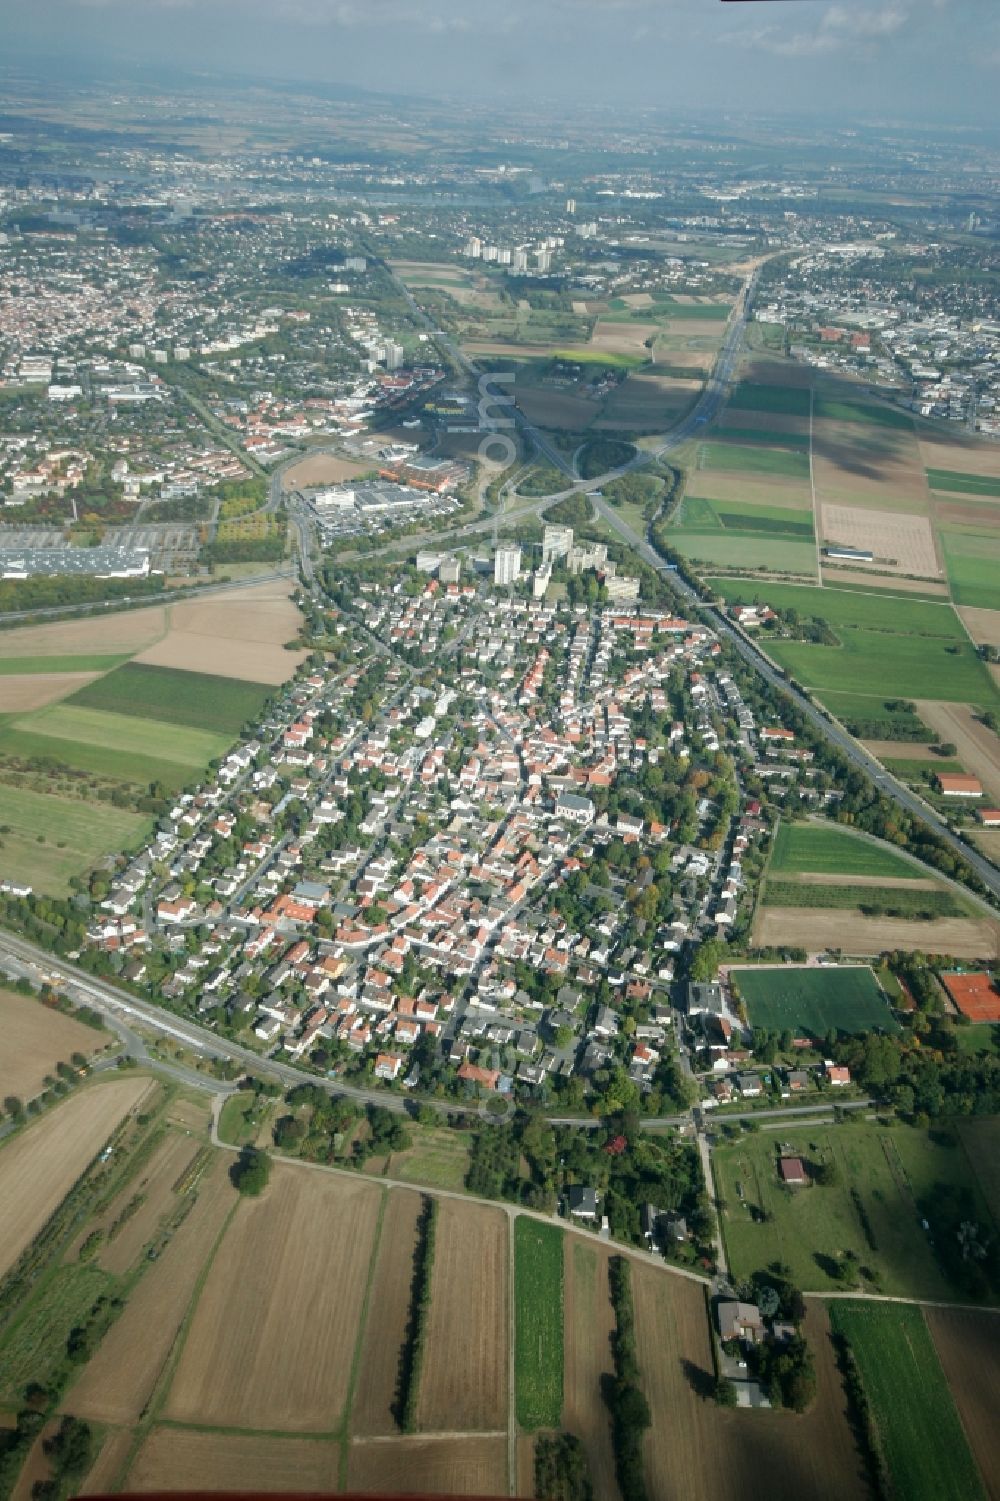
[
  {"x": 20, "y": 693},
  {"x": 871, "y": 1209},
  {"x": 980, "y": 1137},
  {"x": 40, "y": 1165},
  {"x": 321, "y": 469},
  {"x": 117, "y": 745},
  {"x": 814, "y": 1001},
  {"x": 919, "y": 1430},
  {"x": 35, "y": 1039},
  {"x": 473, "y": 1465},
  {"x": 977, "y": 746},
  {"x": 439, "y": 1158},
  {"x": 188, "y": 1460},
  {"x": 753, "y": 460},
  {"x": 373, "y": 1408},
  {"x": 49, "y": 839},
  {"x": 195, "y": 700},
  {"x": 127, "y": 1229},
  {"x": 588, "y": 1328},
  {"x": 696, "y": 1450},
  {"x": 464, "y": 1380},
  {"x": 824, "y": 848},
  {"x": 967, "y": 1345},
  {"x": 538, "y": 1354},
  {"x": 237, "y": 634},
  {"x": 818, "y": 930},
  {"x": 257, "y": 1359}
]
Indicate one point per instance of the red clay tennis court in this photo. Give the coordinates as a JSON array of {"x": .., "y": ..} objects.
[{"x": 975, "y": 996}]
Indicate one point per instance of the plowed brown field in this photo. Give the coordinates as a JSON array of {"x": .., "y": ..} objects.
[
  {"x": 173, "y": 1459},
  {"x": 118, "y": 1382},
  {"x": 821, "y": 928},
  {"x": 464, "y": 1378},
  {"x": 978, "y": 748},
  {"x": 698, "y": 1451},
  {"x": 388, "y": 1309},
  {"x": 40, "y": 1166},
  {"x": 35, "y": 1039},
  {"x": 968, "y": 1346},
  {"x": 588, "y": 1323},
  {"x": 273, "y": 1335},
  {"x": 429, "y": 1466}
]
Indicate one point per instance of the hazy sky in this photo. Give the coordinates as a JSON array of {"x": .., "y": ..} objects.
[{"x": 881, "y": 58}]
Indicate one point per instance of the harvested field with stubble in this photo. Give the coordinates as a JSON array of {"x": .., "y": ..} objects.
[
  {"x": 463, "y": 1384},
  {"x": 35, "y": 1039},
  {"x": 834, "y": 577},
  {"x": 696, "y": 1450},
  {"x": 176, "y": 1459},
  {"x": 389, "y": 1303},
  {"x": 155, "y": 1183},
  {"x": 273, "y": 1335},
  {"x": 110, "y": 634},
  {"x": 472, "y": 1466},
  {"x": 110, "y": 1460},
  {"x": 815, "y": 929},
  {"x": 118, "y": 1381},
  {"x": 588, "y": 1327},
  {"x": 39, "y": 1167},
  {"x": 983, "y": 625},
  {"x": 21, "y": 692},
  {"x": 237, "y": 634},
  {"x": 901, "y": 543},
  {"x": 968, "y": 1346}
]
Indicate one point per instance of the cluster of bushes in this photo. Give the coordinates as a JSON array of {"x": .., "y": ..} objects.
[
  {"x": 630, "y": 1416},
  {"x": 786, "y": 1372},
  {"x": 411, "y": 1355},
  {"x": 561, "y": 1471}
]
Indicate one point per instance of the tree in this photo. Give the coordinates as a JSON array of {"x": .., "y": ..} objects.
[
  {"x": 251, "y": 1171},
  {"x": 725, "y": 1392},
  {"x": 13, "y": 1106}
]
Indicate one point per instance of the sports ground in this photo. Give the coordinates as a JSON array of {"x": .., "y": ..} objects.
[{"x": 814, "y": 1001}]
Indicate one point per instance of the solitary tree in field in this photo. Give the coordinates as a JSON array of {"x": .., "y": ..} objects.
[{"x": 251, "y": 1171}]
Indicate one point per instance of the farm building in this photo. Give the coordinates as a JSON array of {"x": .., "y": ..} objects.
[
  {"x": 975, "y": 995},
  {"x": 958, "y": 784},
  {"x": 740, "y": 1321},
  {"x": 793, "y": 1171},
  {"x": 989, "y": 817}
]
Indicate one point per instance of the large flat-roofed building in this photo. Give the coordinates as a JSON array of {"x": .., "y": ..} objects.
[{"x": 74, "y": 562}]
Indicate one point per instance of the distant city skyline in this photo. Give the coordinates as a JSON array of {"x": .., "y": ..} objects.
[{"x": 912, "y": 59}]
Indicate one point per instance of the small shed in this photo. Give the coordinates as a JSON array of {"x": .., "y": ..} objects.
[{"x": 793, "y": 1171}]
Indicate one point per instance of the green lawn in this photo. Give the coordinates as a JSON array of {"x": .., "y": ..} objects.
[
  {"x": 538, "y": 1357},
  {"x": 749, "y": 397},
  {"x": 733, "y": 457},
  {"x": 825, "y": 849},
  {"x": 963, "y": 484},
  {"x": 51, "y": 838},
  {"x": 123, "y": 734},
  {"x": 240, "y": 1117},
  {"x": 22, "y": 666},
  {"x": 911, "y": 666},
  {"x": 919, "y": 1429},
  {"x": 888, "y": 1168},
  {"x": 196, "y": 700},
  {"x": 814, "y": 1001}
]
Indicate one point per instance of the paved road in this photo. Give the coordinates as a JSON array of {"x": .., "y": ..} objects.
[{"x": 850, "y": 748}]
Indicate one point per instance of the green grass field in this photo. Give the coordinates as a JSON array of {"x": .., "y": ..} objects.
[
  {"x": 745, "y": 550},
  {"x": 888, "y": 1168},
  {"x": 102, "y": 760},
  {"x": 896, "y": 615},
  {"x": 891, "y": 715},
  {"x": 755, "y": 436},
  {"x": 816, "y": 1001},
  {"x": 963, "y": 484},
  {"x": 49, "y": 839},
  {"x": 69, "y": 725},
  {"x": 875, "y": 413},
  {"x": 240, "y": 1117},
  {"x": 697, "y": 513},
  {"x": 913, "y": 666},
  {"x": 34, "y": 1347},
  {"x": 825, "y": 849},
  {"x": 750, "y": 397},
  {"x": 23, "y": 666},
  {"x": 972, "y": 560},
  {"x": 735, "y": 458},
  {"x": 195, "y": 700},
  {"x": 439, "y": 1158},
  {"x": 919, "y": 1429},
  {"x": 538, "y": 1358},
  {"x": 897, "y": 901}
]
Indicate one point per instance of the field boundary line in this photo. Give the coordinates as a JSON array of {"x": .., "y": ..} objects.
[
  {"x": 451, "y": 1434},
  {"x": 352, "y": 1380},
  {"x": 326, "y": 1436},
  {"x": 993, "y": 1308},
  {"x": 512, "y": 1425}
]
